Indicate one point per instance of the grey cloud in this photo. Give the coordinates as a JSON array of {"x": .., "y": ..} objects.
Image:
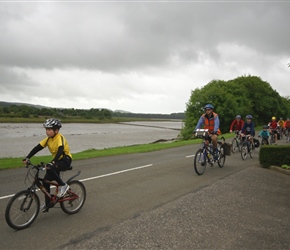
[{"x": 123, "y": 36}]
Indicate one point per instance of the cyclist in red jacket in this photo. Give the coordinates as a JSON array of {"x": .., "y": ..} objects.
[
  {"x": 273, "y": 126},
  {"x": 237, "y": 124}
]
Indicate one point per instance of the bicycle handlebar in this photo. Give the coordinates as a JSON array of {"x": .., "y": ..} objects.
[{"x": 40, "y": 166}]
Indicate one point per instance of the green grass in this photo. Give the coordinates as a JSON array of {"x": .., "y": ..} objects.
[{"x": 8, "y": 163}]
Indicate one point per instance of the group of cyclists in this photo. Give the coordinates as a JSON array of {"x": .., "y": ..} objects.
[
  {"x": 61, "y": 156},
  {"x": 277, "y": 128},
  {"x": 210, "y": 121}
]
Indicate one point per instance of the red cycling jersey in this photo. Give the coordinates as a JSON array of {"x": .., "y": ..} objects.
[
  {"x": 273, "y": 125},
  {"x": 238, "y": 125}
]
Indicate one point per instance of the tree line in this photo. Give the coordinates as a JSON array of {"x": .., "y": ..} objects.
[
  {"x": 29, "y": 111},
  {"x": 241, "y": 96}
]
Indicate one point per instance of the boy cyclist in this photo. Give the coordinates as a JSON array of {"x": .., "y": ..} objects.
[
  {"x": 61, "y": 160},
  {"x": 265, "y": 134},
  {"x": 249, "y": 127}
]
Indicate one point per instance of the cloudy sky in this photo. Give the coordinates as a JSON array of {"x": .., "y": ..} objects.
[{"x": 138, "y": 56}]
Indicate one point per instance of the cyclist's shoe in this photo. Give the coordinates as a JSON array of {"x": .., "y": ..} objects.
[
  {"x": 62, "y": 190},
  {"x": 43, "y": 208}
]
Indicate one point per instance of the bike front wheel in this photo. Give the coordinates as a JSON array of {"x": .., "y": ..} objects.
[
  {"x": 22, "y": 209},
  {"x": 200, "y": 162},
  {"x": 235, "y": 145},
  {"x": 75, "y": 197},
  {"x": 244, "y": 151},
  {"x": 252, "y": 150},
  {"x": 222, "y": 157}
]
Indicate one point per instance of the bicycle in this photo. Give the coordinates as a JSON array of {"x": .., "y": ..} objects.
[
  {"x": 248, "y": 147},
  {"x": 272, "y": 137},
  {"x": 204, "y": 154},
  {"x": 280, "y": 133},
  {"x": 236, "y": 142},
  {"x": 23, "y": 208},
  {"x": 287, "y": 135},
  {"x": 264, "y": 140}
]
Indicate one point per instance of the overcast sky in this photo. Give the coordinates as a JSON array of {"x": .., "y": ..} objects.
[{"x": 138, "y": 56}]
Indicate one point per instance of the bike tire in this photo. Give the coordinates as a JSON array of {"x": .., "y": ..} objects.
[
  {"x": 252, "y": 150},
  {"x": 22, "y": 209},
  {"x": 244, "y": 151},
  {"x": 222, "y": 157},
  {"x": 234, "y": 145},
  {"x": 272, "y": 140},
  {"x": 287, "y": 138},
  {"x": 200, "y": 162},
  {"x": 73, "y": 206}
]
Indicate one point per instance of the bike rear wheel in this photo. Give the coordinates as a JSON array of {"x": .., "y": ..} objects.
[
  {"x": 22, "y": 209},
  {"x": 244, "y": 151},
  {"x": 222, "y": 157},
  {"x": 76, "y": 196},
  {"x": 200, "y": 162}
]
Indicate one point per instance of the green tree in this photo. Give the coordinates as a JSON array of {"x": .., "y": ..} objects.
[{"x": 243, "y": 95}]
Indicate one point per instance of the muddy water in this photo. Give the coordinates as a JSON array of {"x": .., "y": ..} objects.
[{"x": 17, "y": 139}]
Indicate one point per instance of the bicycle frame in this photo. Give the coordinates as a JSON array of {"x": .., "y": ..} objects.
[
  {"x": 273, "y": 136},
  {"x": 248, "y": 146},
  {"x": 38, "y": 183}
]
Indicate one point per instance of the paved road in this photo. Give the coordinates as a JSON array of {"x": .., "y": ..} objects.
[{"x": 162, "y": 205}]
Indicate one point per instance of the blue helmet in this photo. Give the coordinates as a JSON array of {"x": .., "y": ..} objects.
[
  {"x": 249, "y": 117},
  {"x": 208, "y": 106}
]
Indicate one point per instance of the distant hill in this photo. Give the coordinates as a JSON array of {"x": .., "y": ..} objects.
[
  {"x": 6, "y": 104},
  {"x": 116, "y": 113}
]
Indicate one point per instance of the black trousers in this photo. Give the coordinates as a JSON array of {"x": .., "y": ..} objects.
[{"x": 53, "y": 174}]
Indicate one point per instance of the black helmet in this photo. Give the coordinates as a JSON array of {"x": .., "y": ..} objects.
[
  {"x": 52, "y": 123},
  {"x": 265, "y": 126}
]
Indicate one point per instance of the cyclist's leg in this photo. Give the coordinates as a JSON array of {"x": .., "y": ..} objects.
[
  {"x": 214, "y": 145},
  {"x": 214, "y": 141}
]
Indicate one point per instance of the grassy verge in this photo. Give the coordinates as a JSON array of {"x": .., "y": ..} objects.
[{"x": 8, "y": 163}]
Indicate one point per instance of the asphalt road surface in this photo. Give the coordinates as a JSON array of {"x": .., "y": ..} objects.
[{"x": 156, "y": 201}]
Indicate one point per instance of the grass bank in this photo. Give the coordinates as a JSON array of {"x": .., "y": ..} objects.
[{"x": 9, "y": 163}]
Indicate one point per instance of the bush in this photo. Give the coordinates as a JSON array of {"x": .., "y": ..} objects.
[{"x": 274, "y": 155}]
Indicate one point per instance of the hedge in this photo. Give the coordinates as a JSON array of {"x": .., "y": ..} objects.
[{"x": 274, "y": 155}]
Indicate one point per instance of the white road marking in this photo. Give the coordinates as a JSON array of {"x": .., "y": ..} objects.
[
  {"x": 189, "y": 156},
  {"x": 118, "y": 172},
  {"x": 97, "y": 177}
]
